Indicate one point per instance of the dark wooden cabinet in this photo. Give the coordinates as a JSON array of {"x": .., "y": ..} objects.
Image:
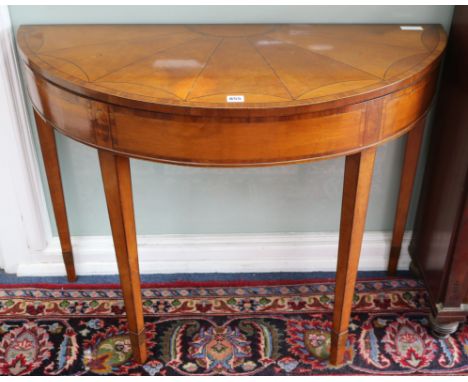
[{"x": 440, "y": 243}]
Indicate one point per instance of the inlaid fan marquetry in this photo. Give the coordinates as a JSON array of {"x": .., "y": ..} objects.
[{"x": 202, "y": 66}]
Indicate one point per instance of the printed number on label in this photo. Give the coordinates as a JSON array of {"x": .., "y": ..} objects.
[{"x": 235, "y": 98}]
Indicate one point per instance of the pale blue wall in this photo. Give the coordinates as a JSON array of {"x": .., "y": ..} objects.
[{"x": 171, "y": 199}]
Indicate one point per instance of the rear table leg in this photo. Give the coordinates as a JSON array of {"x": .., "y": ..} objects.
[{"x": 54, "y": 179}]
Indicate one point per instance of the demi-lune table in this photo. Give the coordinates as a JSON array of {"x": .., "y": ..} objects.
[{"x": 231, "y": 96}]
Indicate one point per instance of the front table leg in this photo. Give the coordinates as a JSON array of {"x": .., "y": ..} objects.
[
  {"x": 357, "y": 183},
  {"x": 118, "y": 189}
]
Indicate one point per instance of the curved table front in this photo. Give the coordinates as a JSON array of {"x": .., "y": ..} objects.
[{"x": 232, "y": 96}]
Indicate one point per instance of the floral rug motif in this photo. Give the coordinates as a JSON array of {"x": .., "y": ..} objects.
[{"x": 224, "y": 328}]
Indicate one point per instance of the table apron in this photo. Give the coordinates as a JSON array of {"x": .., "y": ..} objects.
[{"x": 231, "y": 142}]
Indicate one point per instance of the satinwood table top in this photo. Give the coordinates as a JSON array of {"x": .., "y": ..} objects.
[{"x": 196, "y": 68}]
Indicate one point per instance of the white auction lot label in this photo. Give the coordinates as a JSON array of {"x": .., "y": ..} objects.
[
  {"x": 235, "y": 98},
  {"x": 411, "y": 28}
]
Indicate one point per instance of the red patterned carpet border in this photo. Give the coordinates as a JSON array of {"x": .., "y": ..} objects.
[{"x": 223, "y": 328}]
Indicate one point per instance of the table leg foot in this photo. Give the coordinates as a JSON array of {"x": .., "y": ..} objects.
[
  {"x": 69, "y": 266},
  {"x": 338, "y": 347},
  {"x": 138, "y": 341},
  {"x": 393, "y": 259},
  {"x": 414, "y": 269}
]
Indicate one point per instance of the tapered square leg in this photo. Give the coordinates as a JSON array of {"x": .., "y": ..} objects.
[
  {"x": 118, "y": 189},
  {"x": 54, "y": 179},
  {"x": 410, "y": 165},
  {"x": 357, "y": 182}
]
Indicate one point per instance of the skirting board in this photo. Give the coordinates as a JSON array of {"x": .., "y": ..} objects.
[{"x": 289, "y": 252}]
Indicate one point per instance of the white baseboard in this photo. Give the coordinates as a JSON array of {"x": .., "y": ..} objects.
[{"x": 289, "y": 252}]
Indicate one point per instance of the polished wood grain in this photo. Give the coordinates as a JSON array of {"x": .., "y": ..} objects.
[
  {"x": 118, "y": 189},
  {"x": 356, "y": 187},
  {"x": 410, "y": 165},
  {"x": 46, "y": 136},
  {"x": 307, "y": 92}
]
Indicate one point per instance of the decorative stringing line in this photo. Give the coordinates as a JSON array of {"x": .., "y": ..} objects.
[
  {"x": 53, "y": 67},
  {"x": 426, "y": 31},
  {"x": 423, "y": 51},
  {"x": 108, "y": 42},
  {"x": 271, "y": 67},
  {"x": 353, "y": 91},
  {"x": 144, "y": 58},
  {"x": 273, "y": 28},
  {"x": 426, "y": 55},
  {"x": 99, "y": 84},
  {"x": 337, "y": 61},
  {"x": 203, "y": 69},
  {"x": 197, "y": 76},
  {"x": 329, "y": 58},
  {"x": 276, "y": 27},
  {"x": 60, "y": 70},
  {"x": 238, "y": 91},
  {"x": 350, "y": 38}
]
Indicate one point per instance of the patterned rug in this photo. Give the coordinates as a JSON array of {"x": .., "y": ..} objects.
[{"x": 233, "y": 328}]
